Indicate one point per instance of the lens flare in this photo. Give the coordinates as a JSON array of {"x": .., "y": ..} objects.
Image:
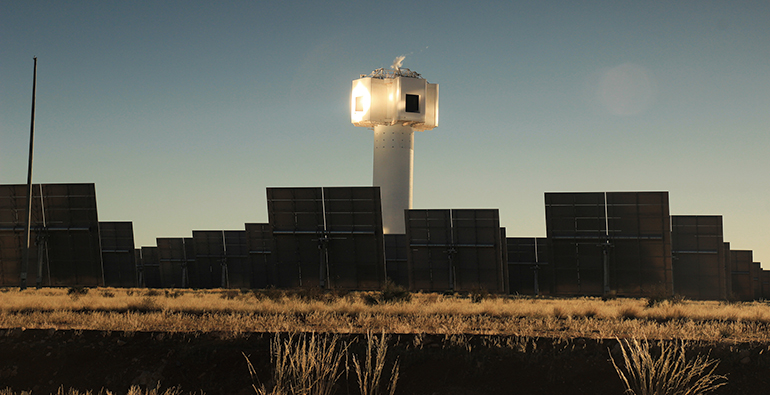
[
  {"x": 360, "y": 101},
  {"x": 628, "y": 89}
]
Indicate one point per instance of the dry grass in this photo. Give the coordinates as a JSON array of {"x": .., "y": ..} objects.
[
  {"x": 303, "y": 365},
  {"x": 311, "y": 364},
  {"x": 235, "y": 312},
  {"x": 369, "y": 372},
  {"x": 667, "y": 373},
  {"x": 131, "y": 391}
]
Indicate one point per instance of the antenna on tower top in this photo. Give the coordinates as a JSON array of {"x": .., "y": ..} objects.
[{"x": 398, "y": 62}]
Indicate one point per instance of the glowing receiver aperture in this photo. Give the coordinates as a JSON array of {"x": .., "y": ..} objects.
[{"x": 397, "y": 100}]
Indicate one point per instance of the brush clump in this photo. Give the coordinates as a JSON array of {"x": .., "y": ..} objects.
[{"x": 663, "y": 369}]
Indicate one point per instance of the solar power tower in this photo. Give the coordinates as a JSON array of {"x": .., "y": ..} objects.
[
  {"x": 698, "y": 253},
  {"x": 456, "y": 250},
  {"x": 527, "y": 261},
  {"x": 328, "y": 237},
  {"x": 395, "y": 103},
  {"x": 65, "y": 248},
  {"x": 117, "y": 240},
  {"x": 609, "y": 243}
]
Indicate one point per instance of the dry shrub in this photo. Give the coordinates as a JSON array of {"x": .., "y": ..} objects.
[
  {"x": 303, "y": 365},
  {"x": 590, "y": 312},
  {"x": 392, "y": 293},
  {"x": 134, "y": 390},
  {"x": 311, "y": 365},
  {"x": 726, "y": 331},
  {"x": 369, "y": 373},
  {"x": 655, "y": 301},
  {"x": 269, "y": 293},
  {"x": 459, "y": 341},
  {"x": 668, "y": 373},
  {"x": 173, "y": 293},
  {"x": 478, "y": 295},
  {"x": 629, "y": 312},
  {"x": 107, "y": 294},
  {"x": 369, "y": 299},
  {"x": 76, "y": 292},
  {"x": 230, "y": 294},
  {"x": 145, "y": 305},
  {"x": 667, "y": 313},
  {"x": 310, "y": 294},
  {"x": 561, "y": 313}
]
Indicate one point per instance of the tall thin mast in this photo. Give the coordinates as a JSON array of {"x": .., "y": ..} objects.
[{"x": 25, "y": 263}]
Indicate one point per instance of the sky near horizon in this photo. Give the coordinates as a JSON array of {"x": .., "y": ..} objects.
[{"x": 183, "y": 112}]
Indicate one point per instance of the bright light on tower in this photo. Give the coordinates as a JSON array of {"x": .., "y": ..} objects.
[{"x": 394, "y": 103}]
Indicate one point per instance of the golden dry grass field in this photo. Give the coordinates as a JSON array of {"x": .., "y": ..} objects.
[
  {"x": 187, "y": 340},
  {"x": 237, "y": 312}
]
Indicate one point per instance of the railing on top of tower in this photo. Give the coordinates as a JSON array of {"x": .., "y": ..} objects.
[{"x": 382, "y": 73}]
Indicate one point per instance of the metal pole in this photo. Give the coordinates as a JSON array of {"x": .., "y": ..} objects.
[
  {"x": 323, "y": 245},
  {"x": 184, "y": 264},
  {"x": 42, "y": 240},
  {"x": 606, "y": 249},
  {"x": 25, "y": 263},
  {"x": 225, "y": 275},
  {"x": 606, "y": 265},
  {"x": 536, "y": 285}
]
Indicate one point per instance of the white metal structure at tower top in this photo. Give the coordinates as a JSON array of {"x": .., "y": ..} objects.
[{"x": 394, "y": 97}]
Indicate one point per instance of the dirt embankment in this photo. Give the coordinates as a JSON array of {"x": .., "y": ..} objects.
[{"x": 44, "y": 360}]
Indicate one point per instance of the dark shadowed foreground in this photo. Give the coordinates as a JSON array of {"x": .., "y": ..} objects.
[{"x": 44, "y": 360}]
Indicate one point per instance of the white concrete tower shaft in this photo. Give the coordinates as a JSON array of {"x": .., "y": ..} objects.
[{"x": 393, "y": 173}]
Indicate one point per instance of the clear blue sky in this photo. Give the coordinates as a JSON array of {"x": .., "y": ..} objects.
[{"x": 183, "y": 112}]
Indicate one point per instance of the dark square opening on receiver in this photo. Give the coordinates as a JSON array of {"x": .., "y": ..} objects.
[{"x": 412, "y": 103}]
